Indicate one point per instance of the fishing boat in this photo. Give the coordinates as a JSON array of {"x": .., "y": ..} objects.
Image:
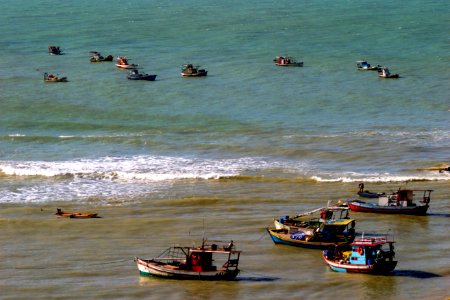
[
  {"x": 189, "y": 70},
  {"x": 366, "y": 255},
  {"x": 287, "y": 61},
  {"x": 97, "y": 57},
  {"x": 384, "y": 72},
  {"x": 206, "y": 262},
  {"x": 367, "y": 194},
  {"x": 53, "y": 78},
  {"x": 122, "y": 63},
  {"x": 135, "y": 75},
  {"x": 333, "y": 226},
  {"x": 363, "y": 65},
  {"x": 54, "y": 50},
  {"x": 401, "y": 202},
  {"x": 75, "y": 215}
]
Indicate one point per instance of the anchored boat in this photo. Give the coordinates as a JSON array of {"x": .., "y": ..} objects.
[
  {"x": 122, "y": 63},
  {"x": 287, "y": 61},
  {"x": 53, "y": 78},
  {"x": 189, "y": 70},
  {"x": 366, "y": 255},
  {"x": 401, "y": 202},
  {"x": 333, "y": 226},
  {"x": 206, "y": 262},
  {"x": 363, "y": 65}
]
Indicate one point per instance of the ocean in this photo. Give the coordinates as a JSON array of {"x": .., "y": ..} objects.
[{"x": 164, "y": 161}]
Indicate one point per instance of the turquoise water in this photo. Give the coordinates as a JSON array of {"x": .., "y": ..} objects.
[{"x": 101, "y": 140}]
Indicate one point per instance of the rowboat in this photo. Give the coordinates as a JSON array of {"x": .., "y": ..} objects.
[
  {"x": 206, "y": 262},
  {"x": 122, "y": 63},
  {"x": 306, "y": 231},
  {"x": 287, "y": 61},
  {"x": 401, "y": 202},
  {"x": 189, "y": 70},
  {"x": 366, "y": 255},
  {"x": 75, "y": 215}
]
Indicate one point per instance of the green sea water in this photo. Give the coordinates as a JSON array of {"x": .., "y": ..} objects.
[{"x": 250, "y": 140}]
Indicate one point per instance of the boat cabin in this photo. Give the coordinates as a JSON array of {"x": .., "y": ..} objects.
[
  {"x": 331, "y": 230},
  {"x": 404, "y": 198},
  {"x": 365, "y": 251}
]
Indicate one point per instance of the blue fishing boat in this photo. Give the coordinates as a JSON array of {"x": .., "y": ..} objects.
[{"x": 366, "y": 255}]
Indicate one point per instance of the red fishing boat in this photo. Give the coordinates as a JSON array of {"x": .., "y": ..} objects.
[{"x": 401, "y": 202}]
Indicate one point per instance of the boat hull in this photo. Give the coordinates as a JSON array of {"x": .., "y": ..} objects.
[
  {"x": 373, "y": 208},
  {"x": 142, "y": 77},
  {"x": 279, "y": 237},
  {"x": 198, "y": 74},
  {"x": 297, "y": 64},
  {"x": 381, "y": 268},
  {"x": 153, "y": 268},
  {"x": 129, "y": 67}
]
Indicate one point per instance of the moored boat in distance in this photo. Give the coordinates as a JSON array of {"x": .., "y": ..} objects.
[
  {"x": 401, "y": 202},
  {"x": 363, "y": 65},
  {"x": 333, "y": 226},
  {"x": 189, "y": 70},
  {"x": 383, "y": 72},
  {"x": 97, "y": 57},
  {"x": 75, "y": 215},
  {"x": 54, "y": 50},
  {"x": 122, "y": 63},
  {"x": 135, "y": 75},
  {"x": 53, "y": 78},
  {"x": 366, "y": 255},
  {"x": 206, "y": 262},
  {"x": 287, "y": 61}
]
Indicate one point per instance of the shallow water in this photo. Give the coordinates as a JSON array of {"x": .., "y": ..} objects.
[{"x": 163, "y": 161}]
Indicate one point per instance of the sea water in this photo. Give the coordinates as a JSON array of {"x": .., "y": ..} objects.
[{"x": 164, "y": 161}]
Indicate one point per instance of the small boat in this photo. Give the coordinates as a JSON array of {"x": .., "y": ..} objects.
[
  {"x": 53, "y": 78},
  {"x": 367, "y": 194},
  {"x": 401, "y": 202},
  {"x": 373, "y": 255},
  {"x": 54, "y": 50},
  {"x": 365, "y": 66},
  {"x": 188, "y": 70},
  {"x": 135, "y": 75},
  {"x": 206, "y": 262},
  {"x": 75, "y": 215},
  {"x": 97, "y": 57},
  {"x": 383, "y": 72},
  {"x": 122, "y": 63},
  {"x": 287, "y": 61},
  {"x": 332, "y": 227}
]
